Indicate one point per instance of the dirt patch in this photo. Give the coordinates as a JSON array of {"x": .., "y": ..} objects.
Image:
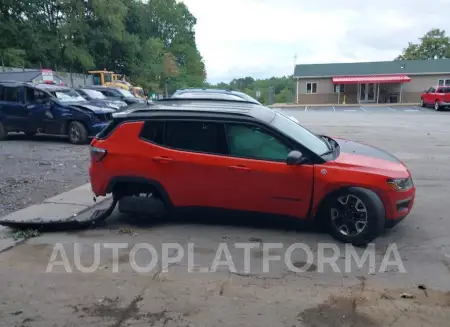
[
  {"x": 105, "y": 308},
  {"x": 371, "y": 308},
  {"x": 337, "y": 311}
]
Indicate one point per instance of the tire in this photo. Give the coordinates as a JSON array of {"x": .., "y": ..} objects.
[
  {"x": 365, "y": 203},
  {"x": 391, "y": 223},
  {"x": 148, "y": 207},
  {"x": 3, "y": 132},
  {"x": 77, "y": 133},
  {"x": 30, "y": 134},
  {"x": 437, "y": 106},
  {"x": 422, "y": 104}
]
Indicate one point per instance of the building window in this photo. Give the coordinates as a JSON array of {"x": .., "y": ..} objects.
[
  {"x": 340, "y": 86},
  {"x": 311, "y": 87},
  {"x": 443, "y": 82}
]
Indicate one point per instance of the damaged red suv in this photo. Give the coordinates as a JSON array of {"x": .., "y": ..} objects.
[{"x": 244, "y": 157}]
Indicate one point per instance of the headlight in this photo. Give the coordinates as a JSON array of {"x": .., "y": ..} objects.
[{"x": 401, "y": 184}]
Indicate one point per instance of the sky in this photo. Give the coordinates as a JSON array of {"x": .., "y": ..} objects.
[{"x": 260, "y": 38}]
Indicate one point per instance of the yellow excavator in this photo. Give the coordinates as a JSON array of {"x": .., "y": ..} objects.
[{"x": 108, "y": 78}]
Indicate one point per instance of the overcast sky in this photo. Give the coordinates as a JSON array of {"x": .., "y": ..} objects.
[{"x": 259, "y": 38}]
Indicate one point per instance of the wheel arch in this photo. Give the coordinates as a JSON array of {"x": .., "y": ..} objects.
[
  {"x": 115, "y": 181},
  {"x": 318, "y": 210}
]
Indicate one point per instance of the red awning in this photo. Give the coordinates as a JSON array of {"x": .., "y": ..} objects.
[{"x": 371, "y": 79}]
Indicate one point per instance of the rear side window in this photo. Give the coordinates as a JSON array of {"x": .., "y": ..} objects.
[
  {"x": 195, "y": 136},
  {"x": 153, "y": 131},
  {"x": 11, "y": 93}
]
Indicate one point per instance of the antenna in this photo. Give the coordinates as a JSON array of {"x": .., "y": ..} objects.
[{"x": 295, "y": 59}]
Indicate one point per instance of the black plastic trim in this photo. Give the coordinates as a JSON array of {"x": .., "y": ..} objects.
[{"x": 140, "y": 180}]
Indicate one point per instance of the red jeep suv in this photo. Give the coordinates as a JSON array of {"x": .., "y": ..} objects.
[{"x": 243, "y": 157}]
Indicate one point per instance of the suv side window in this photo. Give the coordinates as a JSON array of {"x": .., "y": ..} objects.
[
  {"x": 204, "y": 137},
  {"x": 11, "y": 93},
  {"x": 254, "y": 142},
  {"x": 153, "y": 131}
]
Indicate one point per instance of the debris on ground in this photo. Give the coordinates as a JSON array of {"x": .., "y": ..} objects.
[
  {"x": 128, "y": 231},
  {"x": 407, "y": 296},
  {"x": 25, "y": 234}
]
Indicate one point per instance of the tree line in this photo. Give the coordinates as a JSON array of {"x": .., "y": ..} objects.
[{"x": 152, "y": 42}]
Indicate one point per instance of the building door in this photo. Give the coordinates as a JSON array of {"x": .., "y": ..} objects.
[{"x": 367, "y": 92}]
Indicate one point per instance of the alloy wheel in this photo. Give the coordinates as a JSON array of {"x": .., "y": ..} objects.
[
  {"x": 74, "y": 134},
  {"x": 421, "y": 102},
  {"x": 349, "y": 215},
  {"x": 436, "y": 106}
]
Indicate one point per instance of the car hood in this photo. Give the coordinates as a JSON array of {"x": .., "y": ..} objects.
[
  {"x": 366, "y": 157},
  {"x": 95, "y": 109}
]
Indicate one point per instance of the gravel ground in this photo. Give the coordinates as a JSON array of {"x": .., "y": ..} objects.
[{"x": 32, "y": 170}]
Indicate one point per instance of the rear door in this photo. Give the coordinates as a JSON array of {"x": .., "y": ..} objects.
[
  {"x": 187, "y": 160},
  {"x": 258, "y": 175},
  {"x": 12, "y": 105}
]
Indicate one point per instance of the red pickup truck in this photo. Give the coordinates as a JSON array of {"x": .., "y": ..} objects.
[{"x": 438, "y": 97}]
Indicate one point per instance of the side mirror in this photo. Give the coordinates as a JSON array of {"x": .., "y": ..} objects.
[{"x": 295, "y": 158}]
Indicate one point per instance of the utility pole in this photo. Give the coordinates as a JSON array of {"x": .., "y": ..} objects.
[{"x": 294, "y": 91}]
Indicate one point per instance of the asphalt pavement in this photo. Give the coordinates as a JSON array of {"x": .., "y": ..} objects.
[
  {"x": 32, "y": 170},
  {"x": 182, "y": 297}
]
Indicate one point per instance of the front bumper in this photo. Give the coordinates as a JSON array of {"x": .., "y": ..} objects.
[{"x": 398, "y": 204}]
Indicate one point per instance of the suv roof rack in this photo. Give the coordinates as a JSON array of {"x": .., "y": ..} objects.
[{"x": 204, "y": 99}]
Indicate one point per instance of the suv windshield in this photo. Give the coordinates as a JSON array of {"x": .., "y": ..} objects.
[
  {"x": 126, "y": 93},
  {"x": 94, "y": 94},
  {"x": 299, "y": 134},
  {"x": 68, "y": 95}
]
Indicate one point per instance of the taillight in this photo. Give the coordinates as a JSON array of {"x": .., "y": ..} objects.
[{"x": 97, "y": 154}]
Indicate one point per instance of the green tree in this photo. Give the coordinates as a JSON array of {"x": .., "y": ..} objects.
[
  {"x": 433, "y": 45},
  {"x": 132, "y": 37}
]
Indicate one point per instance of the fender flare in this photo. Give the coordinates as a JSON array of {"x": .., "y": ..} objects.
[{"x": 140, "y": 180}]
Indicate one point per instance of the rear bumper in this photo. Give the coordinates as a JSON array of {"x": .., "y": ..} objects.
[{"x": 444, "y": 104}]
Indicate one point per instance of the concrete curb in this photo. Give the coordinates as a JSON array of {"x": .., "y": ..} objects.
[
  {"x": 312, "y": 106},
  {"x": 62, "y": 207}
]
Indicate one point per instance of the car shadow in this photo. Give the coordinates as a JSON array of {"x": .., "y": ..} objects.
[{"x": 228, "y": 219}]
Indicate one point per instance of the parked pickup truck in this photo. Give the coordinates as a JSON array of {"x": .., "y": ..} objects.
[
  {"x": 436, "y": 96},
  {"x": 31, "y": 108}
]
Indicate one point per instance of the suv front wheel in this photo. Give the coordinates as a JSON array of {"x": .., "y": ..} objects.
[
  {"x": 77, "y": 133},
  {"x": 355, "y": 215}
]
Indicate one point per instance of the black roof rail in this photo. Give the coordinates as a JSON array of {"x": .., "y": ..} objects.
[{"x": 204, "y": 99}]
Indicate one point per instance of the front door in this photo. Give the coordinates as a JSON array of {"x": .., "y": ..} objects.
[
  {"x": 260, "y": 178},
  {"x": 367, "y": 92}
]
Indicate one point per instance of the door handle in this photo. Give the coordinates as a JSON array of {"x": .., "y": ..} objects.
[
  {"x": 162, "y": 159},
  {"x": 239, "y": 168}
]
